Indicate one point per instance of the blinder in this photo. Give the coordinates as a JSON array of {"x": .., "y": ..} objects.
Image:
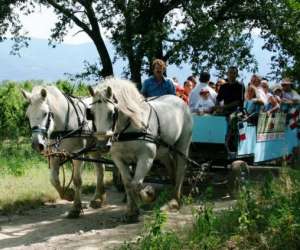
[
  {"x": 44, "y": 131},
  {"x": 89, "y": 114}
]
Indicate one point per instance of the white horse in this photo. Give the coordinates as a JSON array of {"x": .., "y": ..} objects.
[
  {"x": 140, "y": 132},
  {"x": 54, "y": 114}
]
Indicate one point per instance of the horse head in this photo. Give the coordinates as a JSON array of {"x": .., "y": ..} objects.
[
  {"x": 105, "y": 112},
  {"x": 40, "y": 117},
  {"x": 116, "y": 103}
]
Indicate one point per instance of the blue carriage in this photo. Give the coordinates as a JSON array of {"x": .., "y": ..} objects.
[{"x": 255, "y": 137}]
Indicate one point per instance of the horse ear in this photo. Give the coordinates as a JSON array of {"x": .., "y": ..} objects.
[
  {"x": 44, "y": 93},
  {"x": 109, "y": 92},
  {"x": 26, "y": 95},
  {"x": 91, "y": 90}
]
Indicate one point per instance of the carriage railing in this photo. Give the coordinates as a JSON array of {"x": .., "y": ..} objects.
[{"x": 254, "y": 109}]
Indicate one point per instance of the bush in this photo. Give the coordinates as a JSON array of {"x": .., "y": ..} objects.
[
  {"x": 13, "y": 122},
  {"x": 265, "y": 216}
]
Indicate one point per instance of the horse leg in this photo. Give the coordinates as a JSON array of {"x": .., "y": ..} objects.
[
  {"x": 132, "y": 209},
  {"x": 169, "y": 162},
  {"x": 179, "y": 167},
  {"x": 100, "y": 195},
  {"x": 54, "y": 176},
  {"x": 77, "y": 181},
  {"x": 147, "y": 194}
]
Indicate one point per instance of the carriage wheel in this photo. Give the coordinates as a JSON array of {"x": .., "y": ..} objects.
[
  {"x": 238, "y": 177},
  {"x": 117, "y": 180}
]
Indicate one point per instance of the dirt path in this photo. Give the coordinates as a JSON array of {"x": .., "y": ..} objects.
[{"x": 47, "y": 227}]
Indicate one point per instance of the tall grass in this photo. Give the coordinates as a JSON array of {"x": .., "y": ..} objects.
[{"x": 25, "y": 178}]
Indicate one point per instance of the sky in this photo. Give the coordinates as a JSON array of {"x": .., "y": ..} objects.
[{"x": 40, "y": 23}]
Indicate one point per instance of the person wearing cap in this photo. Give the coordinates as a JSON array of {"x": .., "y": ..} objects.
[
  {"x": 205, "y": 105},
  {"x": 195, "y": 93},
  {"x": 157, "y": 84},
  {"x": 289, "y": 95}
]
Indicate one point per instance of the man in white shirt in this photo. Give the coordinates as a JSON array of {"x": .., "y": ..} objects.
[{"x": 195, "y": 94}]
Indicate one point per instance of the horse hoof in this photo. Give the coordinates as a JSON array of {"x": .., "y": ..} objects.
[
  {"x": 173, "y": 204},
  {"x": 73, "y": 214},
  {"x": 133, "y": 218},
  {"x": 96, "y": 204},
  {"x": 68, "y": 195},
  {"x": 147, "y": 194}
]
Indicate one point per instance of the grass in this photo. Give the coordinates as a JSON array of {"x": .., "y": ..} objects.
[
  {"x": 265, "y": 216},
  {"x": 25, "y": 182}
]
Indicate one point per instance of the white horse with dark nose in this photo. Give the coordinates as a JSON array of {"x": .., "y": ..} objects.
[
  {"x": 142, "y": 131},
  {"x": 53, "y": 114}
]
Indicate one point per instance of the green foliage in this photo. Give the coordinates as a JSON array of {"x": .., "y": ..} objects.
[
  {"x": 157, "y": 239},
  {"x": 13, "y": 121},
  {"x": 265, "y": 216},
  {"x": 205, "y": 234},
  {"x": 15, "y": 156}
]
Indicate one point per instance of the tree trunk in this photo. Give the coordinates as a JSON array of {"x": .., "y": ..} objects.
[
  {"x": 136, "y": 76},
  {"x": 107, "y": 68}
]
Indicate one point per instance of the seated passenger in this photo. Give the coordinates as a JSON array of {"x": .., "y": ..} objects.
[
  {"x": 277, "y": 92},
  {"x": 272, "y": 104},
  {"x": 194, "y": 95},
  {"x": 193, "y": 80},
  {"x": 255, "y": 91},
  {"x": 205, "y": 105},
  {"x": 218, "y": 84},
  {"x": 289, "y": 95},
  {"x": 187, "y": 88},
  {"x": 231, "y": 94}
]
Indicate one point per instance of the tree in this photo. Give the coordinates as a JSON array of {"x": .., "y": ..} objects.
[
  {"x": 10, "y": 23},
  {"x": 82, "y": 13},
  {"x": 279, "y": 24},
  {"x": 204, "y": 33}
]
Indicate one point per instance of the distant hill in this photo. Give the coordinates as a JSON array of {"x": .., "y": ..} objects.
[{"x": 41, "y": 62}]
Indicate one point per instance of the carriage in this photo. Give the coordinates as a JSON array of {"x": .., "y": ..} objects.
[
  {"x": 253, "y": 136},
  {"x": 218, "y": 141}
]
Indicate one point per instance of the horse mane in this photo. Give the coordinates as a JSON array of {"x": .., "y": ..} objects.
[{"x": 129, "y": 99}]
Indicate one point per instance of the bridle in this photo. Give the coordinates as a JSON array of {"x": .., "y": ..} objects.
[
  {"x": 44, "y": 130},
  {"x": 66, "y": 132},
  {"x": 115, "y": 114}
]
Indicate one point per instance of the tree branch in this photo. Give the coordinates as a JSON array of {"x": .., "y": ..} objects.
[
  {"x": 70, "y": 15},
  {"x": 172, "y": 50}
]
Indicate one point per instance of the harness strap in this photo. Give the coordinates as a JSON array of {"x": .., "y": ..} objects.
[
  {"x": 133, "y": 136},
  {"x": 157, "y": 118},
  {"x": 74, "y": 106},
  {"x": 68, "y": 114}
]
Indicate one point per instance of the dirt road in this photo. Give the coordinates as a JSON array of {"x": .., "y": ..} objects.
[{"x": 47, "y": 227}]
